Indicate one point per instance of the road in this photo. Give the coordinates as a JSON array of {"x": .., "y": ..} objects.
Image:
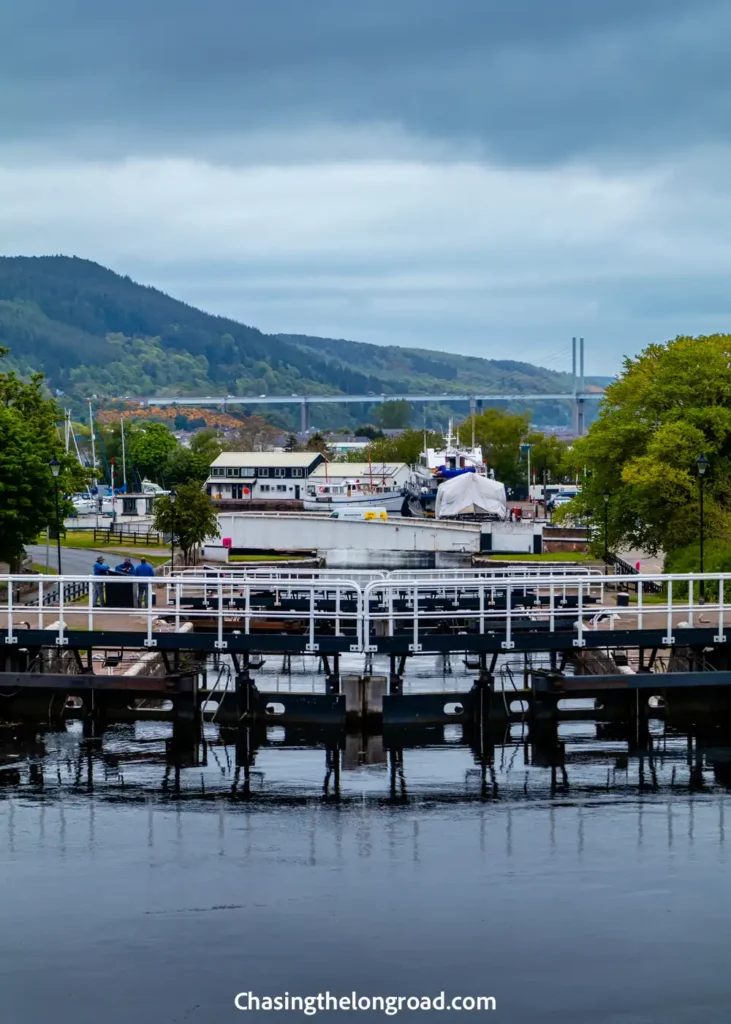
[{"x": 74, "y": 562}]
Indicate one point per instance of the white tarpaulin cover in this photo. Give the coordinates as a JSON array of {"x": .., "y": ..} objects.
[{"x": 470, "y": 494}]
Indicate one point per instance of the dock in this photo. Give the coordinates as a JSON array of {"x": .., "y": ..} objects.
[{"x": 626, "y": 645}]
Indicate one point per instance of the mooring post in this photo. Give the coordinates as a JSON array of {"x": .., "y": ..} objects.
[
  {"x": 395, "y": 676},
  {"x": 332, "y": 678},
  {"x": 245, "y": 689},
  {"x": 483, "y": 689}
]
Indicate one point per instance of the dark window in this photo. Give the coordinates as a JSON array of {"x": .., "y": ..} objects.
[{"x": 262, "y": 472}]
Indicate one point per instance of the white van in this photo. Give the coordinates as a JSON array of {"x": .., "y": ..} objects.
[{"x": 360, "y": 513}]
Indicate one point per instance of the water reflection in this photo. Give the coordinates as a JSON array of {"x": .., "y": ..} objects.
[{"x": 572, "y": 761}]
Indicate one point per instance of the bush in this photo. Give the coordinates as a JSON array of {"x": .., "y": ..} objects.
[{"x": 716, "y": 558}]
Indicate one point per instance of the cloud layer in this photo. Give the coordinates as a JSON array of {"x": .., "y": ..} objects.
[{"x": 473, "y": 176}]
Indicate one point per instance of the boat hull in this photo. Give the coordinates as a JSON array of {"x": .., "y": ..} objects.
[{"x": 392, "y": 501}]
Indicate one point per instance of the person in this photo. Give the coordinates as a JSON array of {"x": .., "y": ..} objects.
[
  {"x": 125, "y": 567},
  {"x": 100, "y": 569},
  {"x": 143, "y": 571}
]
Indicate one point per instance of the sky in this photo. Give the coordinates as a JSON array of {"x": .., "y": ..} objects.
[{"x": 474, "y": 176}]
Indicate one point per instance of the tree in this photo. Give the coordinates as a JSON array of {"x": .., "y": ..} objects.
[
  {"x": 671, "y": 404},
  {"x": 28, "y": 442},
  {"x": 192, "y": 519},
  {"x": 316, "y": 443},
  {"x": 254, "y": 435},
  {"x": 149, "y": 446},
  {"x": 548, "y": 455},
  {"x": 501, "y": 434},
  {"x": 394, "y": 414},
  {"x": 192, "y": 463}
]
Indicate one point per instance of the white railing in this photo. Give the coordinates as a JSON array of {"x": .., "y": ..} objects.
[
  {"x": 149, "y": 606},
  {"x": 361, "y": 614}
]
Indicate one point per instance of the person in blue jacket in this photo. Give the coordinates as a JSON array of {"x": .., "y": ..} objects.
[
  {"x": 125, "y": 567},
  {"x": 143, "y": 571},
  {"x": 100, "y": 569}
]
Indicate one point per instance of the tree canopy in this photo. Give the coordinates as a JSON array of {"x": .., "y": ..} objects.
[
  {"x": 671, "y": 404},
  {"x": 28, "y": 442},
  {"x": 191, "y": 519}
]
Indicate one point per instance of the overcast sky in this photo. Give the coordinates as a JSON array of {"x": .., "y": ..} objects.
[{"x": 480, "y": 176}]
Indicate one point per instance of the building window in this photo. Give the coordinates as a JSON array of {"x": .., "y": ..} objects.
[
  {"x": 298, "y": 473},
  {"x": 282, "y": 487},
  {"x": 262, "y": 472},
  {"x": 265, "y": 487},
  {"x": 237, "y": 491},
  {"x": 233, "y": 471},
  {"x": 280, "y": 472}
]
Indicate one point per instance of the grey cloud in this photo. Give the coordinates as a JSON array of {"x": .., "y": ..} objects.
[{"x": 528, "y": 81}]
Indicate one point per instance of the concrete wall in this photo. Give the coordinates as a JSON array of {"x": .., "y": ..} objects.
[
  {"x": 511, "y": 538},
  {"x": 306, "y": 532}
]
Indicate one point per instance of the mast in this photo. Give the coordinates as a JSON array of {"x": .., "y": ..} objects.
[
  {"x": 124, "y": 459},
  {"x": 93, "y": 445}
]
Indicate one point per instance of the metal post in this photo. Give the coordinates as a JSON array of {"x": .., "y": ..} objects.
[
  {"x": 701, "y": 598},
  {"x": 58, "y": 527}
]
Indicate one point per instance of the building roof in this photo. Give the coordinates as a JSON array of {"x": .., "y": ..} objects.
[
  {"x": 263, "y": 459},
  {"x": 357, "y": 470}
]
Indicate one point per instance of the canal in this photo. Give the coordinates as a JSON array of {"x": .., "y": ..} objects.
[{"x": 149, "y": 877}]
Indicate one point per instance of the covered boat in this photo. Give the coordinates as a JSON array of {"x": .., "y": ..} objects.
[{"x": 471, "y": 496}]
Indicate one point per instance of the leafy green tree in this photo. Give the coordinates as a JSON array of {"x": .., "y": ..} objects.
[
  {"x": 671, "y": 404},
  {"x": 550, "y": 455},
  {"x": 192, "y": 518},
  {"x": 501, "y": 434},
  {"x": 394, "y": 414},
  {"x": 28, "y": 442},
  {"x": 149, "y": 447},
  {"x": 185, "y": 464},
  {"x": 316, "y": 443}
]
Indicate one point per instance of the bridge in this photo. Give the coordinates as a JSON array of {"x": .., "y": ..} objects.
[
  {"x": 669, "y": 641},
  {"x": 578, "y": 395}
]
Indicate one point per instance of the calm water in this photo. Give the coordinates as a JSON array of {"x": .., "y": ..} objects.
[{"x": 137, "y": 886}]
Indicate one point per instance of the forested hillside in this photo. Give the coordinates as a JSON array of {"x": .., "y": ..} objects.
[{"x": 92, "y": 331}]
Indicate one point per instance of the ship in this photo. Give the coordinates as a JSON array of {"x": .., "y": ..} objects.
[{"x": 437, "y": 465}]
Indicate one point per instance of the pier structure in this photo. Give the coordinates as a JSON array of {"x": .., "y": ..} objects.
[{"x": 582, "y": 636}]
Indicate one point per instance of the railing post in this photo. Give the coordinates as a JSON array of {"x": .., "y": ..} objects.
[
  {"x": 312, "y": 646},
  {"x": 508, "y": 644},
  {"x": 579, "y": 641},
  {"x": 669, "y": 638},
  {"x": 481, "y": 586},
  {"x": 415, "y": 645},
  {"x": 720, "y": 637},
  {"x": 220, "y": 643},
  {"x": 10, "y": 638}
]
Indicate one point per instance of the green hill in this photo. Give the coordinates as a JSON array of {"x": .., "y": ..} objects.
[{"x": 92, "y": 331}]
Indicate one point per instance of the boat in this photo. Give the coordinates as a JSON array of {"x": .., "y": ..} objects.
[
  {"x": 469, "y": 496},
  {"x": 437, "y": 465},
  {"x": 353, "y": 493}
]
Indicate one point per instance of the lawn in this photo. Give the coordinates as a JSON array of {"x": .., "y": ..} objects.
[{"x": 85, "y": 539}]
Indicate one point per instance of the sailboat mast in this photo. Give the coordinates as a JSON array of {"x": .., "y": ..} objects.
[
  {"x": 93, "y": 445},
  {"x": 124, "y": 457}
]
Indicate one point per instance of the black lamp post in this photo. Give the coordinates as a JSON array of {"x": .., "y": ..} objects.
[
  {"x": 172, "y": 496},
  {"x": 702, "y": 465},
  {"x": 55, "y": 467},
  {"x": 605, "y": 495}
]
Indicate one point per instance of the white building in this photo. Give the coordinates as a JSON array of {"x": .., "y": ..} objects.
[{"x": 246, "y": 477}]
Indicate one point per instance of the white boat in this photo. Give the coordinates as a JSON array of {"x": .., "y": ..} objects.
[
  {"x": 437, "y": 465},
  {"x": 329, "y": 497},
  {"x": 470, "y": 496}
]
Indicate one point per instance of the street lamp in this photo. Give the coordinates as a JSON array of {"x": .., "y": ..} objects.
[
  {"x": 605, "y": 495},
  {"x": 701, "y": 465},
  {"x": 55, "y": 467},
  {"x": 172, "y": 496}
]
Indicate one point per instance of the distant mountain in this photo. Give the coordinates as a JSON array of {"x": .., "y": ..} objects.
[{"x": 92, "y": 331}]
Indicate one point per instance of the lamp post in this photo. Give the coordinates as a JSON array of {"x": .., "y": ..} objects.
[
  {"x": 701, "y": 465},
  {"x": 55, "y": 467},
  {"x": 172, "y": 496},
  {"x": 605, "y": 495}
]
